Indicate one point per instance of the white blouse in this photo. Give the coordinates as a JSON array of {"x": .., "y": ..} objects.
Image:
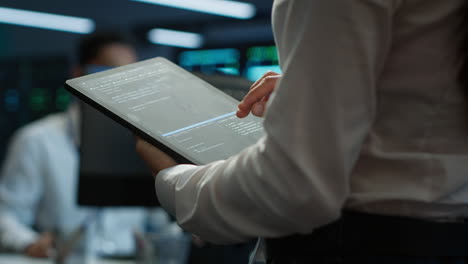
[{"x": 368, "y": 116}]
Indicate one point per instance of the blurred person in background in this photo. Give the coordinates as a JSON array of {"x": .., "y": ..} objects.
[{"x": 38, "y": 180}]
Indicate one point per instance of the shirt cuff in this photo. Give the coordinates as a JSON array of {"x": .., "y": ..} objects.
[
  {"x": 20, "y": 243},
  {"x": 166, "y": 181},
  {"x": 14, "y": 236}
]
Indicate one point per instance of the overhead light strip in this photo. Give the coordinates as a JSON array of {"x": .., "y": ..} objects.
[
  {"x": 175, "y": 38},
  {"x": 46, "y": 20},
  {"x": 233, "y": 9}
]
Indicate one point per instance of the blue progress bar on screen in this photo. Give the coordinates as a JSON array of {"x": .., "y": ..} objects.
[{"x": 198, "y": 124}]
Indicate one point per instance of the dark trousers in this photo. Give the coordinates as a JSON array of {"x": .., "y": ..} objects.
[
  {"x": 366, "y": 238},
  {"x": 372, "y": 260}
]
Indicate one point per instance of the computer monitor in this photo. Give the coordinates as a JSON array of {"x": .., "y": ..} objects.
[
  {"x": 260, "y": 59},
  {"x": 110, "y": 171},
  {"x": 211, "y": 61},
  {"x": 247, "y": 61}
]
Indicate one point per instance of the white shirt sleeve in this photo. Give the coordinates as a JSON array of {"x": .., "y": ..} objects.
[
  {"x": 15, "y": 236},
  {"x": 20, "y": 191},
  {"x": 296, "y": 178}
]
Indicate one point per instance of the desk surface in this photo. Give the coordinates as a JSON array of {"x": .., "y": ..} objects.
[{"x": 17, "y": 259}]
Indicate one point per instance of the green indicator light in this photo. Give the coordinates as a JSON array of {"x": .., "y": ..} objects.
[
  {"x": 271, "y": 51},
  {"x": 62, "y": 99},
  {"x": 38, "y": 100},
  {"x": 262, "y": 54},
  {"x": 249, "y": 53},
  {"x": 258, "y": 54}
]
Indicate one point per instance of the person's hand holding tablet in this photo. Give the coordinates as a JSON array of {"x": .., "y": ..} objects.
[
  {"x": 255, "y": 102},
  {"x": 154, "y": 157}
]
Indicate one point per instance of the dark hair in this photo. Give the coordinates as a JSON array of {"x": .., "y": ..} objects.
[
  {"x": 90, "y": 46},
  {"x": 463, "y": 73}
]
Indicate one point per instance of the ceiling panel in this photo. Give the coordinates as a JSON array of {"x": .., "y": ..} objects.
[{"x": 125, "y": 15}]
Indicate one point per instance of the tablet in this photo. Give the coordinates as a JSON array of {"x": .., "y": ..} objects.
[{"x": 171, "y": 108}]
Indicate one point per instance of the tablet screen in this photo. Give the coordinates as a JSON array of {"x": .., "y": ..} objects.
[{"x": 171, "y": 105}]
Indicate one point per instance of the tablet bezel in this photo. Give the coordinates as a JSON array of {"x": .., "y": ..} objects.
[
  {"x": 177, "y": 154},
  {"x": 138, "y": 132}
]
